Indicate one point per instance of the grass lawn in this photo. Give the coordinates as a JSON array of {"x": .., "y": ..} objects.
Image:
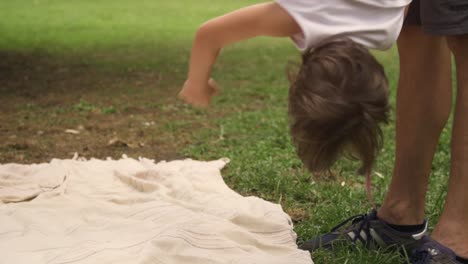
[{"x": 111, "y": 69}]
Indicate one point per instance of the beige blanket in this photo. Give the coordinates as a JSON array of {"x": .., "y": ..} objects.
[{"x": 136, "y": 211}]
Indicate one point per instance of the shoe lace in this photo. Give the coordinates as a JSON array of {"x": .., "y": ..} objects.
[
  {"x": 353, "y": 220},
  {"x": 364, "y": 225}
]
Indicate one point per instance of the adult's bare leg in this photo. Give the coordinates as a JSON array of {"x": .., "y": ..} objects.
[
  {"x": 424, "y": 102},
  {"x": 452, "y": 229}
]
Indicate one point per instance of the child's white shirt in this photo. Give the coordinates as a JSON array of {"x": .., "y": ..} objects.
[{"x": 375, "y": 24}]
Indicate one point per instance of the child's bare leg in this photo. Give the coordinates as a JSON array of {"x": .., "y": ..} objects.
[
  {"x": 452, "y": 229},
  {"x": 423, "y": 107}
]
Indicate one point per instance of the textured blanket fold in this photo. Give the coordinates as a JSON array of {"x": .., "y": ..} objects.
[{"x": 136, "y": 211}]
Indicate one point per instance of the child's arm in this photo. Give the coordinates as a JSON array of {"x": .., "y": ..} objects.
[{"x": 267, "y": 19}]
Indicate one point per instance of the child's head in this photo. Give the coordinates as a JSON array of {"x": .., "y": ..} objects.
[{"x": 337, "y": 100}]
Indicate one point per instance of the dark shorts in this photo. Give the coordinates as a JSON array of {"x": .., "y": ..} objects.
[{"x": 441, "y": 17}]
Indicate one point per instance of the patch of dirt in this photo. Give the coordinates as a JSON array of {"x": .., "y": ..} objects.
[
  {"x": 53, "y": 107},
  {"x": 297, "y": 214}
]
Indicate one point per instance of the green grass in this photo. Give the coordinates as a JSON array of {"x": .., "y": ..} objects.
[{"x": 247, "y": 124}]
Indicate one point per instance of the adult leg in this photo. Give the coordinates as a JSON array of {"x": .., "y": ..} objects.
[
  {"x": 423, "y": 107},
  {"x": 452, "y": 229}
]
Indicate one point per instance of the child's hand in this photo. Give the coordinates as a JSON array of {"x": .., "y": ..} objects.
[
  {"x": 199, "y": 95},
  {"x": 266, "y": 19}
]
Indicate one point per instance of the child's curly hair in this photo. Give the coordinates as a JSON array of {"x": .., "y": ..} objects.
[{"x": 337, "y": 100}]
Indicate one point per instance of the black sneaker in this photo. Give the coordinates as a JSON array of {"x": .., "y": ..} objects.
[
  {"x": 432, "y": 252},
  {"x": 369, "y": 231}
]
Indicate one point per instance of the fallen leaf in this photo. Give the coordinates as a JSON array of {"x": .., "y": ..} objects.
[
  {"x": 116, "y": 142},
  {"x": 72, "y": 131},
  {"x": 380, "y": 175}
]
